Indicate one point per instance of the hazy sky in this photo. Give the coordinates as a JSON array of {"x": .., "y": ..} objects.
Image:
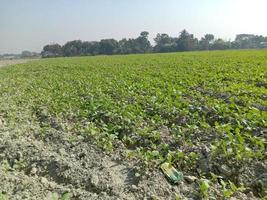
[{"x": 30, "y": 24}]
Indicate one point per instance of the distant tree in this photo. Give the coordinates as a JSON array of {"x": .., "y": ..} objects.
[
  {"x": 35, "y": 54},
  {"x": 144, "y": 34},
  {"x": 108, "y": 46},
  {"x": 95, "y": 48},
  {"x": 139, "y": 45},
  {"x": 90, "y": 48},
  {"x": 164, "y": 43},
  {"x": 122, "y": 45},
  {"x": 126, "y": 46},
  {"x": 86, "y": 48},
  {"x": 209, "y": 37},
  {"x": 72, "y": 48},
  {"x": 206, "y": 41},
  {"x": 51, "y": 50},
  {"x": 142, "y": 44},
  {"x": 26, "y": 54},
  {"x": 186, "y": 42},
  {"x": 220, "y": 44}
]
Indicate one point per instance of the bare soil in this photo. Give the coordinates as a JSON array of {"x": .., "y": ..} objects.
[{"x": 39, "y": 168}]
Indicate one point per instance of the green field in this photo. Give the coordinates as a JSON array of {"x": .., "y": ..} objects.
[{"x": 204, "y": 112}]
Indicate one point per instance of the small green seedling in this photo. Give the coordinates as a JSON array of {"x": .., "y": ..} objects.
[
  {"x": 3, "y": 196},
  {"x": 204, "y": 188},
  {"x": 65, "y": 196}
]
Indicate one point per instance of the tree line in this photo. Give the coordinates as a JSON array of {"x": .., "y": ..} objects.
[{"x": 163, "y": 43}]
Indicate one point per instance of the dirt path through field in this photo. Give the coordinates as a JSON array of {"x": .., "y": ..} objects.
[{"x": 4, "y": 63}]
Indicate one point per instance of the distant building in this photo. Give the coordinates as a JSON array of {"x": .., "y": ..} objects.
[
  {"x": 244, "y": 37},
  {"x": 263, "y": 45}
]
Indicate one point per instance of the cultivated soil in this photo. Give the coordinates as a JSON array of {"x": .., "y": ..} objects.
[{"x": 41, "y": 160}]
